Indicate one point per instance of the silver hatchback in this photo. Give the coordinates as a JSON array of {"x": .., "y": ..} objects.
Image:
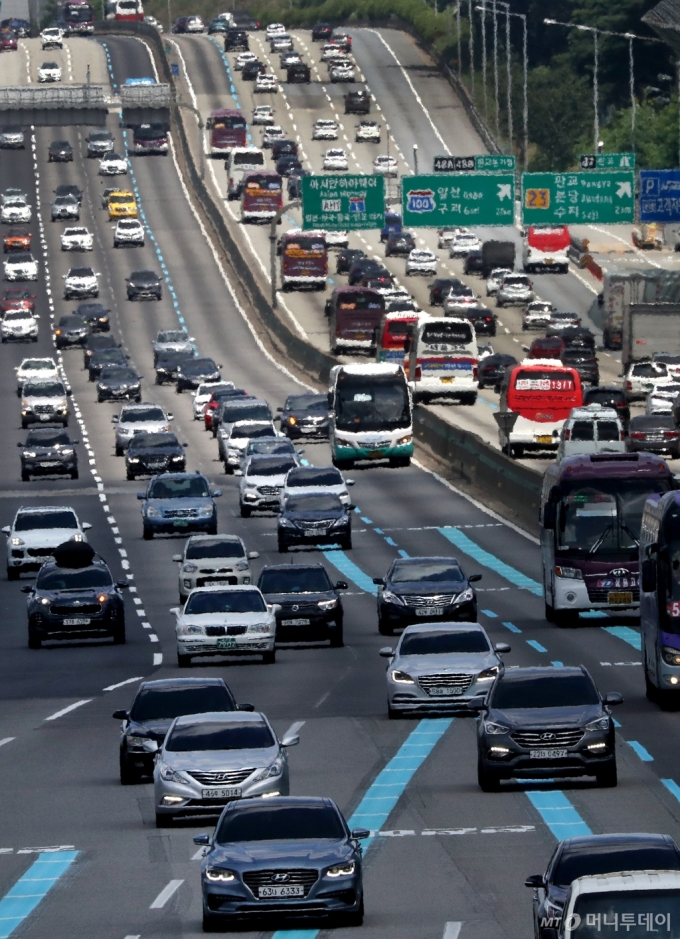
[
  {"x": 440, "y": 667},
  {"x": 139, "y": 419},
  {"x": 213, "y": 561},
  {"x": 208, "y": 760}
]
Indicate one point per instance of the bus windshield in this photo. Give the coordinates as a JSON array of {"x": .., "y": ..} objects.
[
  {"x": 360, "y": 300},
  {"x": 446, "y": 337},
  {"x": 367, "y": 403},
  {"x": 300, "y": 246}
]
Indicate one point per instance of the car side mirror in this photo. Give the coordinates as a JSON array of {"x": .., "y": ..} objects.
[
  {"x": 275, "y": 608},
  {"x": 114, "y": 419},
  {"x": 202, "y": 840},
  {"x": 246, "y": 706},
  {"x": 613, "y": 698},
  {"x": 86, "y": 526},
  {"x": 386, "y": 652},
  {"x": 342, "y": 585},
  {"x": 379, "y": 581},
  {"x": 252, "y": 555},
  {"x": 502, "y": 647},
  {"x": 474, "y": 578},
  {"x": 141, "y": 495},
  {"x": 290, "y": 740},
  {"x": 22, "y": 446},
  {"x": 279, "y": 410},
  {"x": 120, "y": 715},
  {"x": 349, "y": 482},
  {"x": 217, "y": 493},
  {"x": 238, "y": 472},
  {"x": 27, "y": 589},
  {"x": 6, "y": 529},
  {"x": 360, "y": 833},
  {"x": 69, "y": 392},
  {"x": 535, "y": 881},
  {"x": 175, "y": 610},
  {"x": 351, "y": 506},
  {"x": 177, "y": 558},
  {"x": 122, "y": 584}
]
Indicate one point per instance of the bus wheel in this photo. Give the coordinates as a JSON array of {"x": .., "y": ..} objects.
[
  {"x": 396, "y": 462},
  {"x": 549, "y": 613},
  {"x": 516, "y": 451},
  {"x": 651, "y": 690},
  {"x": 343, "y": 464},
  {"x": 566, "y": 619}
]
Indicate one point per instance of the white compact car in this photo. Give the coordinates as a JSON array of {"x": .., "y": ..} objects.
[
  {"x": 81, "y": 282},
  {"x": 514, "y": 290},
  {"x": 242, "y": 59},
  {"x": 113, "y": 164},
  {"x": 49, "y": 72},
  {"x": 128, "y": 231},
  {"x": 52, "y": 38},
  {"x": 204, "y": 393},
  {"x": 457, "y": 303},
  {"x": 44, "y": 402},
  {"x": 272, "y": 134},
  {"x": 537, "y": 314},
  {"x": 213, "y": 561},
  {"x": 263, "y": 478},
  {"x": 335, "y": 160},
  {"x": 225, "y": 621},
  {"x": 234, "y": 440},
  {"x": 445, "y": 236},
  {"x": 462, "y": 243},
  {"x": 660, "y": 400},
  {"x": 15, "y": 209},
  {"x": 35, "y": 369},
  {"x": 302, "y": 480},
  {"x": 336, "y": 240},
  {"x": 266, "y": 83},
  {"x": 77, "y": 238},
  {"x": 274, "y": 29},
  {"x": 342, "y": 72},
  {"x": 34, "y": 534},
  {"x": 642, "y": 378},
  {"x": 20, "y": 266},
  {"x": 421, "y": 261},
  {"x": 496, "y": 277},
  {"x": 385, "y": 166},
  {"x": 325, "y": 130},
  {"x": 281, "y": 43},
  {"x": 263, "y": 114},
  {"x": 19, "y": 326},
  {"x": 367, "y": 132}
]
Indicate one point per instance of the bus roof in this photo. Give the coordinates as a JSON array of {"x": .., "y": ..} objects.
[
  {"x": 408, "y": 315},
  {"x": 613, "y": 466},
  {"x": 376, "y": 369},
  {"x": 304, "y": 233},
  {"x": 356, "y": 289},
  {"x": 226, "y": 112}
]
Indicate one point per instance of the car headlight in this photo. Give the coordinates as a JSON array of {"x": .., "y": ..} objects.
[
  {"x": 341, "y": 870},
  {"x": 189, "y": 568},
  {"x": 602, "y": 723},
  {"x": 328, "y": 604},
  {"x": 133, "y": 459},
  {"x": 169, "y": 774},
  {"x": 138, "y": 744},
  {"x": 275, "y": 769},
  {"x": 572, "y": 573},
  {"x": 205, "y": 511},
  {"x": 16, "y": 541},
  {"x": 404, "y": 440},
  {"x": 31, "y": 454},
  {"x": 63, "y": 453},
  {"x": 192, "y": 630},
  {"x": 340, "y": 521},
  {"x": 241, "y": 565},
  {"x": 219, "y": 875},
  {"x": 401, "y": 677},
  {"x": 260, "y": 628},
  {"x": 492, "y": 728},
  {"x": 342, "y": 442},
  {"x": 285, "y": 522},
  {"x": 390, "y": 597},
  {"x": 78, "y": 537},
  {"x": 488, "y": 674},
  {"x": 153, "y": 512},
  {"x": 45, "y": 601},
  {"x": 670, "y": 656},
  {"x": 465, "y": 596}
]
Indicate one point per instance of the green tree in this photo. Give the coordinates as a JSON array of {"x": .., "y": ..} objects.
[{"x": 560, "y": 113}]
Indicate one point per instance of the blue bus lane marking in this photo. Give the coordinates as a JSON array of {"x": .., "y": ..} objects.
[{"x": 31, "y": 888}]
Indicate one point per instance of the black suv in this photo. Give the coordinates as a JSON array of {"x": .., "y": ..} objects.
[
  {"x": 150, "y": 453},
  {"x": 156, "y": 705},
  {"x": 95, "y": 314},
  {"x": 48, "y": 451},
  {"x": 588, "y": 856},
  {"x": 236, "y": 39},
  {"x": 321, "y": 32},
  {"x": 400, "y": 244},
  {"x": 71, "y": 330},
  {"x": 313, "y": 519},
  {"x": 70, "y": 189},
  {"x": 144, "y": 285},
  {"x": 75, "y": 596},
  {"x": 418, "y": 590},
  {"x": 310, "y": 606},
  {"x": 60, "y": 151},
  {"x": 492, "y": 369},
  {"x": 305, "y": 415},
  {"x": 441, "y": 287},
  {"x": 540, "y": 723},
  {"x": 105, "y": 358},
  {"x": 251, "y": 70},
  {"x": 609, "y": 397},
  {"x": 168, "y": 363},
  {"x": 585, "y": 362},
  {"x": 483, "y": 319},
  {"x": 346, "y": 258},
  {"x": 192, "y": 372},
  {"x": 474, "y": 262},
  {"x": 97, "y": 343}
]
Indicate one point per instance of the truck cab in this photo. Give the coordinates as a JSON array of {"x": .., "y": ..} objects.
[{"x": 545, "y": 249}]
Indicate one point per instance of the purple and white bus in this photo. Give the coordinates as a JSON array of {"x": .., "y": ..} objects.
[{"x": 590, "y": 519}]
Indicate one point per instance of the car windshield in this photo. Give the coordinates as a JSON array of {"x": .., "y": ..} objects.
[
  {"x": 377, "y": 404},
  {"x": 35, "y": 365},
  {"x": 310, "y": 476},
  {"x": 17, "y": 315},
  {"x": 199, "y": 365},
  {"x": 214, "y": 549},
  {"x": 120, "y": 200},
  {"x": 246, "y": 412},
  {"x": 119, "y": 374},
  {"x": 280, "y": 823},
  {"x": 81, "y": 272},
  {"x": 428, "y": 571},
  {"x": 173, "y": 335},
  {"x": 211, "y": 735},
  {"x": 273, "y": 445},
  {"x": 611, "y": 858},
  {"x": 108, "y": 355},
  {"x": 225, "y": 601},
  {"x": 166, "y": 703},
  {"x": 82, "y": 579},
  {"x": 634, "y": 909},
  {"x": 438, "y": 642},
  {"x": 28, "y": 521},
  {"x": 19, "y": 257},
  {"x": 49, "y": 438},
  {"x": 192, "y": 487},
  {"x": 140, "y": 415},
  {"x": 295, "y": 580},
  {"x": 153, "y": 441},
  {"x": 252, "y": 430},
  {"x": 270, "y": 466},
  {"x": 544, "y": 691},
  {"x": 313, "y": 503},
  {"x": 45, "y": 389}
]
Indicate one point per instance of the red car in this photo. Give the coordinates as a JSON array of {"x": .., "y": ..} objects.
[
  {"x": 16, "y": 239},
  {"x": 17, "y": 298},
  {"x": 550, "y": 347},
  {"x": 8, "y": 39}
]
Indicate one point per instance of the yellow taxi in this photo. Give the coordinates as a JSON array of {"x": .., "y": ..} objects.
[{"x": 122, "y": 204}]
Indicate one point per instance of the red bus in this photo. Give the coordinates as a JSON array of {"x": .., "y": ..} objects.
[
  {"x": 354, "y": 318},
  {"x": 262, "y": 196},
  {"x": 536, "y": 398},
  {"x": 394, "y": 330},
  {"x": 304, "y": 260},
  {"x": 77, "y": 18},
  {"x": 126, "y": 10},
  {"x": 545, "y": 248},
  {"x": 227, "y": 130}
]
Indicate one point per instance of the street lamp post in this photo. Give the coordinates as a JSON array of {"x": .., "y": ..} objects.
[
  {"x": 495, "y": 66},
  {"x": 486, "y": 103},
  {"x": 471, "y": 50},
  {"x": 415, "y": 158}
]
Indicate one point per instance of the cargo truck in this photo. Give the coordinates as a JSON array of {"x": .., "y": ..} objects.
[
  {"x": 497, "y": 254},
  {"x": 625, "y": 288}
]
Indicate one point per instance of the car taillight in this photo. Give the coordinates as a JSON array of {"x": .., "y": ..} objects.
[
  {"x": 629, "y": 385},
  {"x": 475, "y": 373},
  {"x": 567, "y": 435},
  {"x": 622, "y": 435},
  {"x": 637, "y": 435},
  {"x": 672, "y": 434},
  {"x": 419, "y": 373}
]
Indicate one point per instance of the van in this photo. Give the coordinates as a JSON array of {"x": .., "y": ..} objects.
[
  {"x": 590, "y": 430},
  {"x": 241, "y": 160}
]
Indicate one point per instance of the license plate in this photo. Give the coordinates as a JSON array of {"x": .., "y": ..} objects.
[
  {"x": 548, "y": 260},
  {"x": 447, "y": 381},
  {"x": 226, "y": 642},
  {"x": 180, "y": 523},
  {"x": 547, "y": 754},
  {"x": 311, "y": 534},
  {"x": 284, "y": 891},
  {"x": 219, "y": 583},
  {"x": 442, "y": 690},
  {"x": 50, "y": 463},
  {"x": 362, "y": 336},
  {"x": 222, "y": 793},
  {"x": 375, "y": 454},
  {"x": 620, "y": 596},
  {"x": 430, "y": 611},
  {"x": 77, "y": 621},
  {"x": 295, "y": 622},
  {"x": 544, "y": 439}
]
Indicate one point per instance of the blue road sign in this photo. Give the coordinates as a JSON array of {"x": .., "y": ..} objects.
[{"x": 660, "y": 195}]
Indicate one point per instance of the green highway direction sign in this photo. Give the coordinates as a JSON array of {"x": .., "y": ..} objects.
[
  {"x": 488, "y": 162},
  {"x": 607, "y": 161},
  {"x": 606, "y": 198},
  {"x": 463, "y": 199},
  {"x": 343, "y": 203}
]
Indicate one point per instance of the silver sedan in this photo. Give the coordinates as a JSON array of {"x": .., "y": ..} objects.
[
  {"x": 208, "y": 760},
  {"x": 438, "y": 667}
]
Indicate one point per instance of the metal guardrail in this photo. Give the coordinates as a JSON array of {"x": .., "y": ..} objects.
[
  {"x": 145, "y": 96},
  {"x": 27, "y": 97}
]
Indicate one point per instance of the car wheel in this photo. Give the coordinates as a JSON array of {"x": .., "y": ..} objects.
[
  {"x": 24, "y": 424},
  {"x": 607, "y": 778},
  {"x": 354, "y": 919},
  {"x": 118, "y": 635},
  {"x": 383, "y": 628},
  {"x": 13, "y": 573},
  {"x": 119, "y": 451},
  {"x": 336, "y": 636},
  {"x": 163, "y": 821},
  {"x": 269, "y": 658},
  {"x": 100, "y": 400},
  {"x": 651, "y": 691},
  {"x": 183, "y": 661},
  {"x": 488, "y": 780},
  {"x": 34, "y": 640},
  {"x": 25, "y": 477},
  {"x": 246, "y": 511},
  {"x": 215, "y": 923},
  {"x": 147, "y": 533},
  {"x": 549, "y": 613},
  {"x": 128, "y": 775},
  {"x": 393, "y": 714}
]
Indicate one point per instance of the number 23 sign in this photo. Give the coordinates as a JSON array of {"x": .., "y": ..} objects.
[{"x": 537, "y": 199}]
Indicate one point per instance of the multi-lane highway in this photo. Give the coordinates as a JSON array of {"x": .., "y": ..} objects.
[{"x": 442, "y": 849}]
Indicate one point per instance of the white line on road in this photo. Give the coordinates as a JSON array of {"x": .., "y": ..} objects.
[
  {"x": 293, "y": 729},
  {"x": 6, "y": 740},
  {"x": 119, "y": 684},
  {"x": 133, "y": 937},
  {"x": 158, "y": 658},
  {"x": 71, "y": 707},
  {"x": 165, "y": 894},
  {"x": 452, "y": 930}
]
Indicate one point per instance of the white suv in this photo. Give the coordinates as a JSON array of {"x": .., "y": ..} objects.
[
  {"x": 51, "y": 38},
  {"x": 139, "y": 419},
  {"x": 36, "y": 532},
  {"x": 77, "y": 238},
  {"x": 643, "y": 377},
  {"x": 213, "y": 561},
  {"x": 81, "y": 282}
]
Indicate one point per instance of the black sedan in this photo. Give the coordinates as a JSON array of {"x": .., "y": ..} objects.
[
  {"x": 361, "y": 268},
  {"x": 71, "y": 330},
  {"x": 483, "y": 319},
  {"x": 144, "y": 285},
  {"x": 149, "y": 454},
  {"x": 585, "y": 362},
  {"x": 294, "y": 855},
  {"x": 310, "y": 605},
  {"x": 539, "y": 723},
  {"x": 95, "y": 314},
  {"x": 97, "y": 343},
  {"x": 75, "y": 596},
  {"x": 441, "y": 287},
  {"x": 156, "y": 705},
  {"x": 168, "y": 364},
  {"x": 654, "y": 433},
  {"x": 305, "y": 415},
  {"x": 105, "y": 358},
  {"x": 48, "y": 451},
  {"x": 288, "y": 164},
  {"x": 592, "y": 855},
  {"x": 474, "y": 262},
  {"x": 346, "y": 258},
  {"x": 321, "y": 32},
  {"x": 399, "y": 244},
  {"x": 69, "y": 189},
  {"x": 420, "y": 590},
  {"x": 492, "y": 369},
  {"x": 314, "y": 518},
  {"x": 60, "y": 151},
  {"x": 120, "y": 383},
  {"x": 284, "y": 147},
  {"x": 252, "y": 69},
  {"x": 192, "y": 372},
  {"x": 609, "y": 396}
]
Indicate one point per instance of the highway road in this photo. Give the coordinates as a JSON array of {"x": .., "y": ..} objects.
[{"x": 441, "y": 854}]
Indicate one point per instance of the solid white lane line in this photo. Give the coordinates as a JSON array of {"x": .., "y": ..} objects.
[
  {"x": 165, "y": 894},
  {"x": 452, "y": 930},
  {"x": 71, "y": 707},
  {"x": 119, "y": 684},
  {"x": 6, "y": 740}
]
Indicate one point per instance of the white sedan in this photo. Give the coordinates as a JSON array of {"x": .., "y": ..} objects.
[
  {"x": 242, "y": 59},
  {"x": 341, "y": 72},
  {"x": 15, "y": 209},
  {"x": 273, "y": 134},
  {"x": 462, "y": 243},
  {"x": 77, "y": 238},
  {"x": 367, "y": 132},
  {"x": 274, "y": 29},
  {"x": 325, "y": 130},
  {"x": 36, "y": 370},
  {"x": 335, "y": 160},
  {"x": 49, "y": 72},
  {"x": 263, "y": 114},
  {"x": 660, "y": 400},
  {"x": 113, "y": 164},
  {"x": 19, "y": 325},
  {"x": 385, "y": 166},
  {"x": 20, "y": 266},
  {"x": 266, "y": 83},
  {"x": 421, "y": 261}
]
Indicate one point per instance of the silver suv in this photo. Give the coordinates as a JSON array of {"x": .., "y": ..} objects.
[
  {"x": 139, "y": 419},
  {"x": 515, "y": 290},
  {"x": 36, "y": 532},
  {"x": 213, "y": 561}
]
